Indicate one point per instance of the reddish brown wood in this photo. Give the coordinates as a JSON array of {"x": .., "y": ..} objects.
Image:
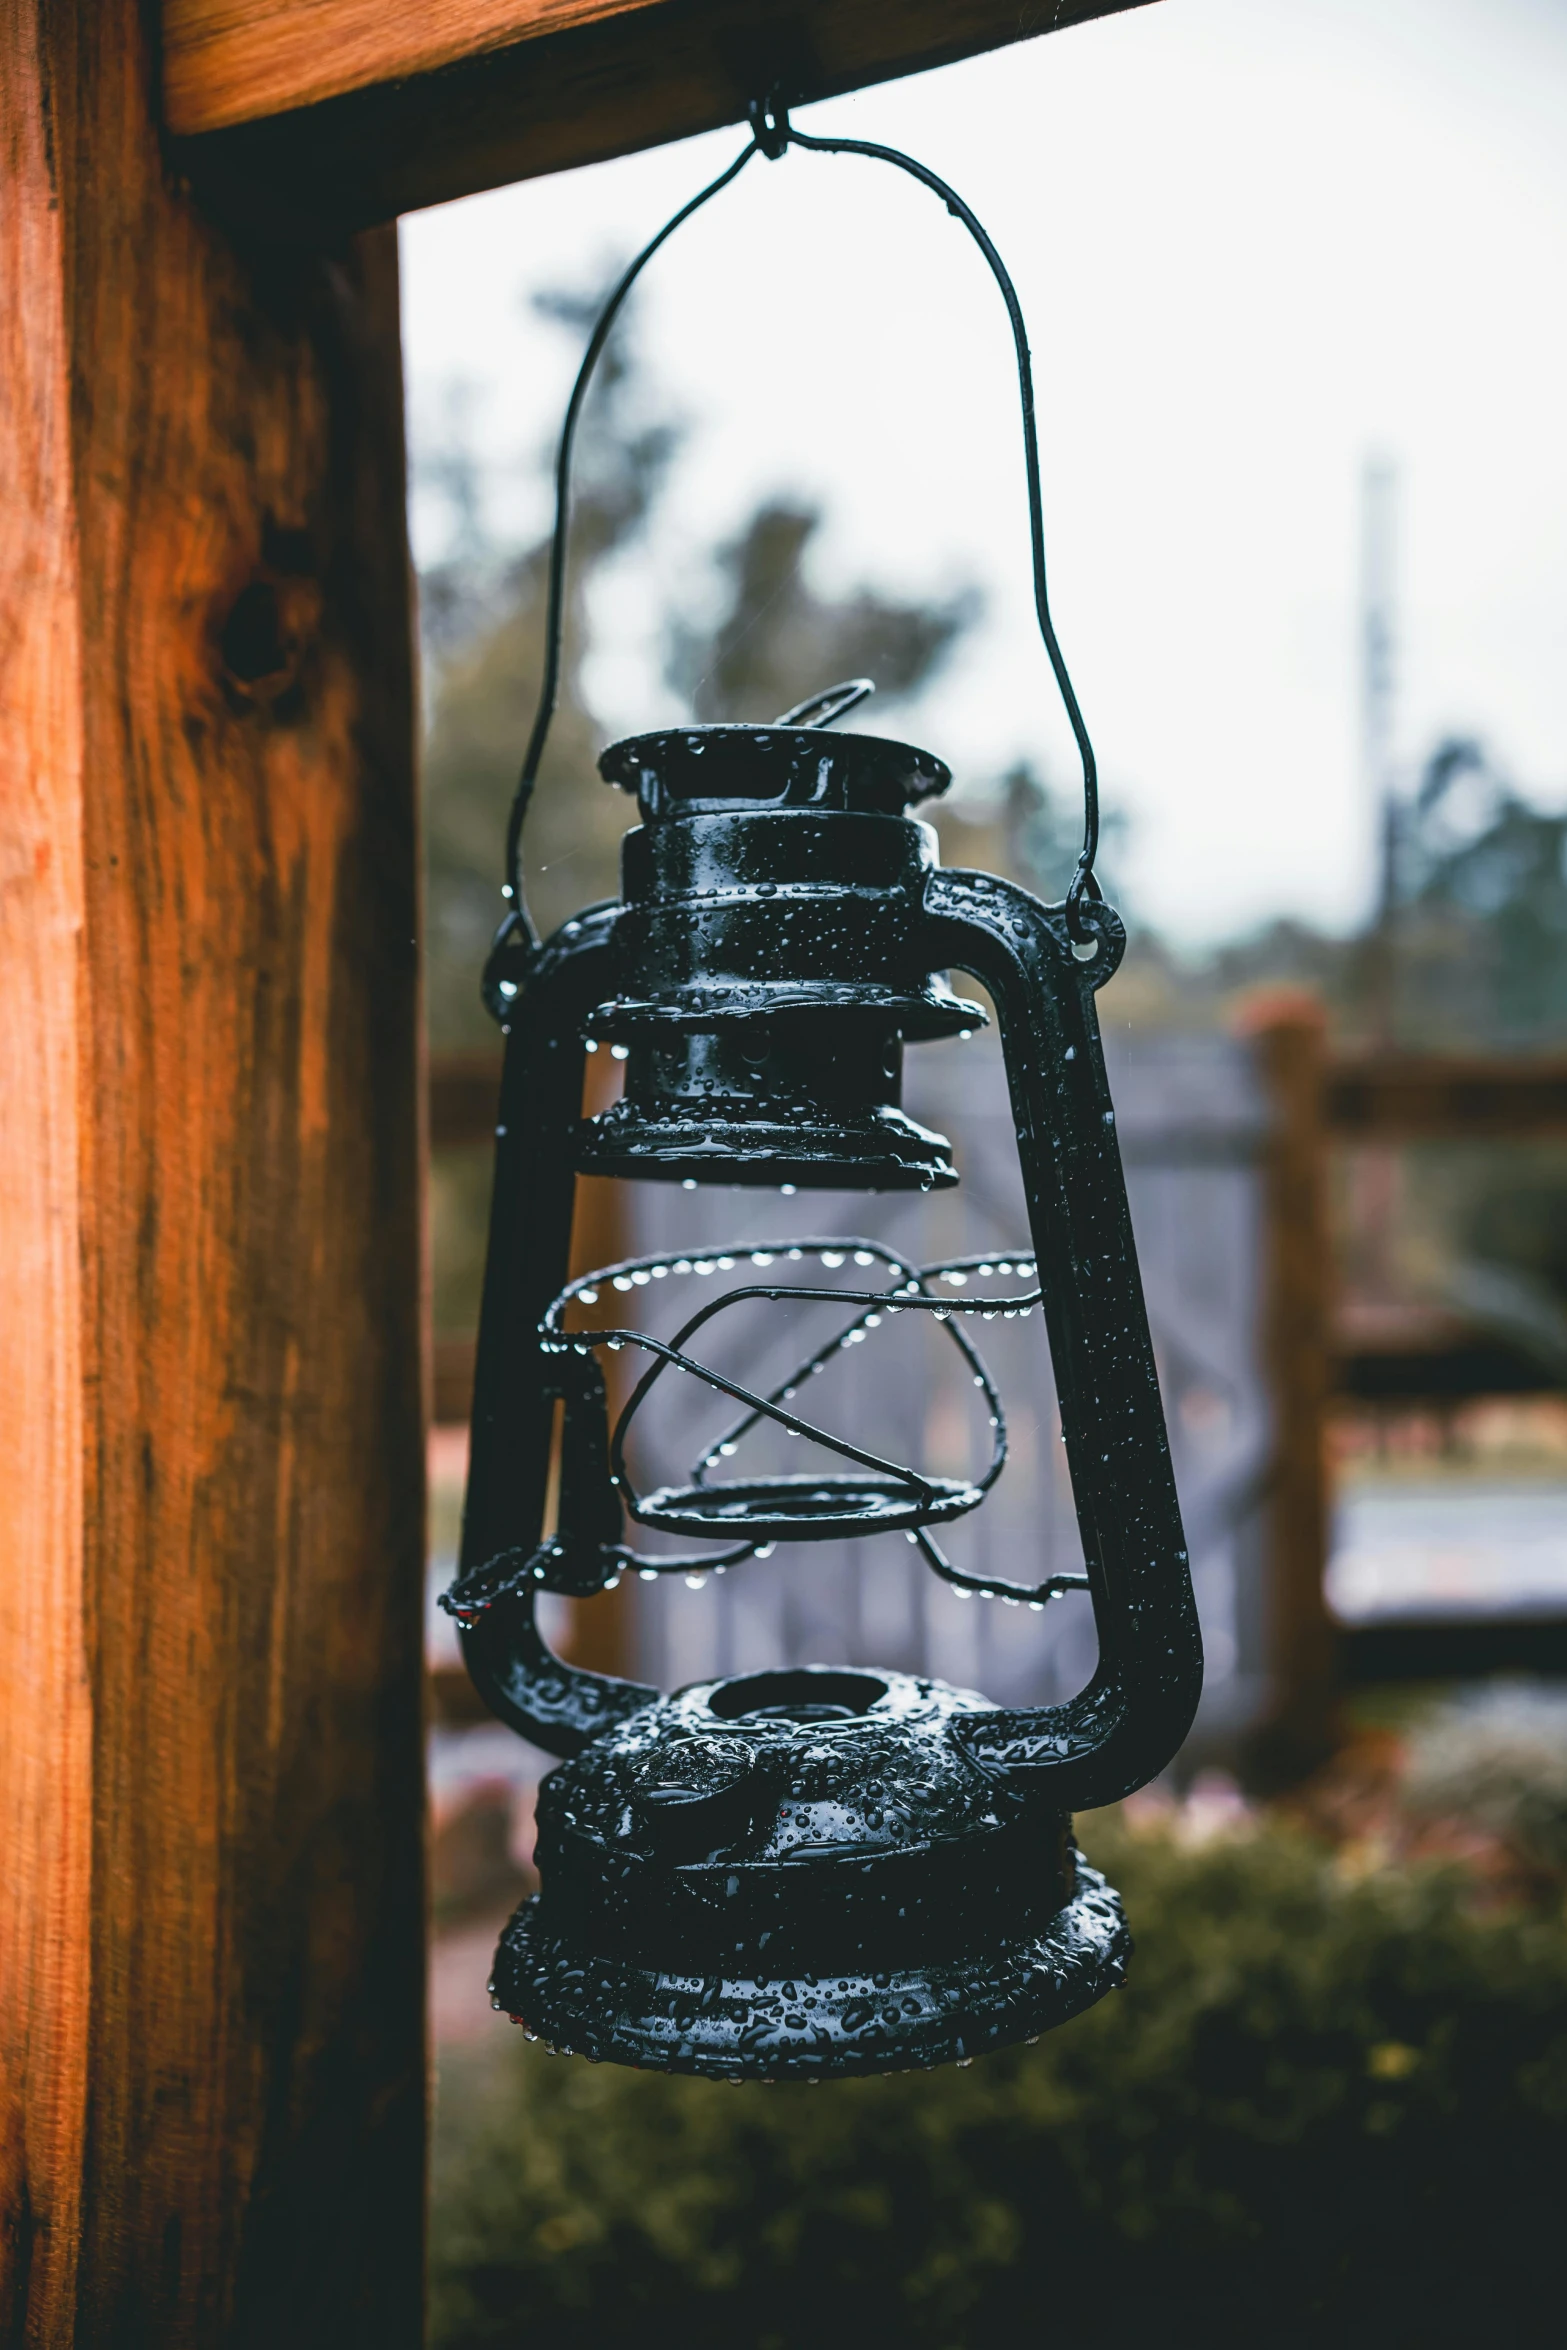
[
  {"x": 46, "y": 1759},
  {"x": 464, "y": 1091},
  {"x": 1375, "y": 1097},
  {"x": 452, "y": 1393},
  {"x": 312, "y": 111},
  {"x": 234, "y": 61},
  {"x": 1289, "y": 1036},
  {"x": 228, "y": 61},
  {"x": 602, "y": 1634},
  {"x": 211, "y": 1975},
  {"x": 1421, "y": 1097}
]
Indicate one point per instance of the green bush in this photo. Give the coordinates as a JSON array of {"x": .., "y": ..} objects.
[
  {"x": 1323, "y": 2112},
  {"x": 1495, "y": 1758}
]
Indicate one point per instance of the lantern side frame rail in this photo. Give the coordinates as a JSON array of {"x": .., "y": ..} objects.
[
  {"x": 1382, "y": 1096},
  {"x": 1124, "y": 1726}
]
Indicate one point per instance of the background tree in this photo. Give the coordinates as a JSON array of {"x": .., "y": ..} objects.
[
  {"x": 1480, "y": 946},
  {"x": 771, "y": 641},
  {"x": 485, "y": 665},
  {"x": 776, "y": 640}
]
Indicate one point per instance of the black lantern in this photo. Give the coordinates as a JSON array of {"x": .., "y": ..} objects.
[{"x": 820, "y": 1871}]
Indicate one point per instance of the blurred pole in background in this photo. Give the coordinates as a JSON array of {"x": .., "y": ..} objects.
[
  {"x": 1378, "y": 651},
  {"x": 1288, "y": 1030},
  {"x": 1376, "y": 1174}
]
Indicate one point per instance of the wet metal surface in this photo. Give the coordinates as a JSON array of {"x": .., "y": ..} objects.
[
  {"x": 801, "y": 1873},
  {"x": 858, "y": 1870}
]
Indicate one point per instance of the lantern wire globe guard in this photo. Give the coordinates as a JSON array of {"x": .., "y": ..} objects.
[{"x": 811, "y": 1872}]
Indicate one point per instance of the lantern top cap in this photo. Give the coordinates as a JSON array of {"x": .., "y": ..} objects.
[{"x": 702, "y": 768}]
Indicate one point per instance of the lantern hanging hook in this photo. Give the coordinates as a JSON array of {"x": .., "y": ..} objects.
[
  {"x": 770, "y": 125},
  {"x": 772, "y": 134}
]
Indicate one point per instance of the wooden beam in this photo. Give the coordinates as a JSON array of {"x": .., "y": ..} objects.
[
  {"x": 307, "y": 115},
  {"x": 1423, "y": 1097},
  {"x": 231, "y": 61},
  {"x": 1453, "y": 1648},
  {"x": 211, "y": 1909}
]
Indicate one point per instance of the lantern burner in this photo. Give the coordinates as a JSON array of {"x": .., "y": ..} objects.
[{"x": 768, "y": 958}]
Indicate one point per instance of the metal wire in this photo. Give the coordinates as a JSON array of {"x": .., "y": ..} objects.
[
  {"x": 772, "y": 135},
  {"x": 1083, "y": 883},
  {"x": 549, "y": 690},
  {"x": 913, "y": 1289}
]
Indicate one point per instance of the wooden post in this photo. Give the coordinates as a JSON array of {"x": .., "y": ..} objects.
[
  {"x": 211, "y": 1907},
  {"x": 351, "y": 111},
  {"x": 1289, "y": 1035},
  {"x": 211, "y": 1488},
  {"x": 602, "y": 1637}
]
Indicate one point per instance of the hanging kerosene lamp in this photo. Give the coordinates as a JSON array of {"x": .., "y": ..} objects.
[{"x": 819, "y": 1871}]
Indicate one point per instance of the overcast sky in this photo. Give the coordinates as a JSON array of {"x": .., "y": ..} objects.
[{"x": 1256, "y": 242}]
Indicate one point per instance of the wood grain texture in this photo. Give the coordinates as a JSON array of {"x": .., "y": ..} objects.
[
  {"x": 229, "y": 61},
  {"x": 211, "y": 2005},
  {"x": 45, "y": 1711},
  {"x": 303, "y": 142}
]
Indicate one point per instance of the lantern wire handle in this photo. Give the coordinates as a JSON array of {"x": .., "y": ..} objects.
[
  {"x": 549, "y": 690},
  {"x": 776, "y": 121},
  {"x": 772, "y": 135}
]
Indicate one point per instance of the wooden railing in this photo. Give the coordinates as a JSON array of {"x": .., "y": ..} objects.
[
  {"x": 1362, "y": 1097},
  {"x": 1425, "y": 1097},
  {"x": 1318, "y": 1352}
]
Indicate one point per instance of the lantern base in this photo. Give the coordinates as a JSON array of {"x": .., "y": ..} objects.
[
  {"x": 801, "y": 1874},
  {"x": 806, "y": 2027}
]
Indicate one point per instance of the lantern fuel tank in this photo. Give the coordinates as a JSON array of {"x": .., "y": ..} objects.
[{"x": 800, "y": 1874}]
